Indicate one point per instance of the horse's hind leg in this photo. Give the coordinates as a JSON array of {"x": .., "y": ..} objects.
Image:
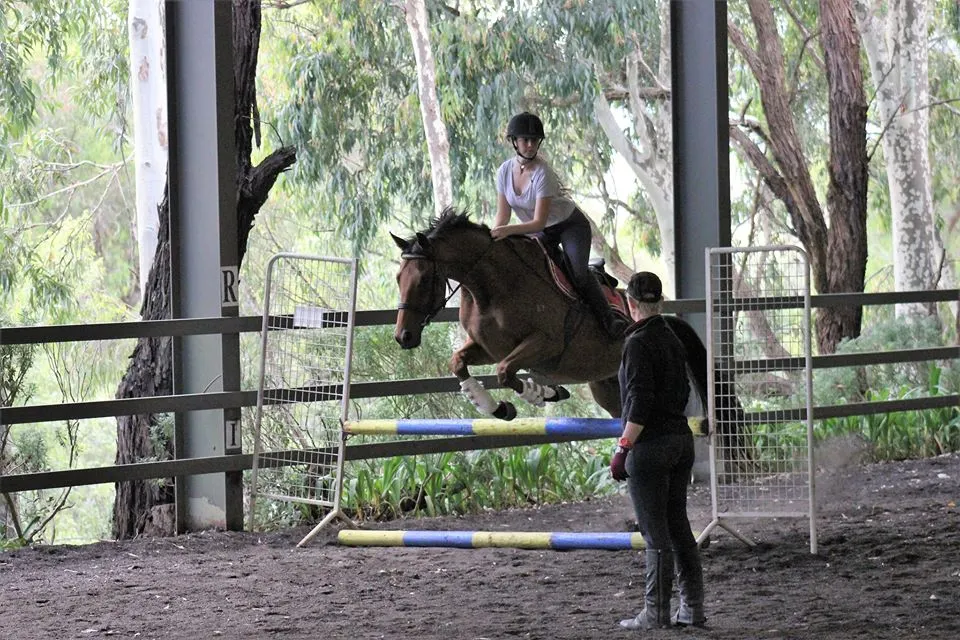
[
  {"x": 472, "y": 353},
  {"x": 606, "y": 393}
]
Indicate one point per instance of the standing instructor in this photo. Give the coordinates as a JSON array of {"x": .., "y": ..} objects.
[{"x": 655, "y": 455}]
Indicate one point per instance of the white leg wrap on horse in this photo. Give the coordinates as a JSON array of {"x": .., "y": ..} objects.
[
  {"x": 479, "y": 396},
  {"x": 534, "y": 393}
]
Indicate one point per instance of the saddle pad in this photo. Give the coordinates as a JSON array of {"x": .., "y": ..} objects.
[{"x": 560, "y": 278}]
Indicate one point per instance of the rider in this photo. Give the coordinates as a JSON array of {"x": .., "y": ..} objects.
[{"x": 528, "y": 186}]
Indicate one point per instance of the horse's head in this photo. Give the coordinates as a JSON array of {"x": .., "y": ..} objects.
[
  {"x": 422, "y": 290},
  {"x": 449, "y": 249}
]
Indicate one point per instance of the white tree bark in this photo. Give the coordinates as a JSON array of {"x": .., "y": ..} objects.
[
  {"x": 895, "y": 38},
  {"x": 149, "y": 100},
  {"x": 653, "y": 171},
  {"x": 438, "y": 145},
  {"x": 649, "y": 153}
]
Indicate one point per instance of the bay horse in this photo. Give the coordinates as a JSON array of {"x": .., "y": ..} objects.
[{"x": 515, "y": 315}]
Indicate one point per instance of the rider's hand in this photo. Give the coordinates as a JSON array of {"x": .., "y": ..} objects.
[
  {"x": 618, "y": 463},
  {"x": 500, "y": 232}
]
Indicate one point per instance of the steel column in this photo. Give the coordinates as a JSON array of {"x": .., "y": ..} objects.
[
  {"x": 701, "y": 141},
  {"x": 202, "y": 184}
]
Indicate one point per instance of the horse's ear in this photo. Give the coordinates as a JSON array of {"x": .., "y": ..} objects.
[
  {"x": 400, "y": 242},
  {"x": 423, "y": 242}
]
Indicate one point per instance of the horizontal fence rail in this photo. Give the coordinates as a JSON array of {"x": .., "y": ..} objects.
[
  {"x": 380, "y": 317},
  {"x": 232, "y": 399},
  {"x": 358, "y": 390}
]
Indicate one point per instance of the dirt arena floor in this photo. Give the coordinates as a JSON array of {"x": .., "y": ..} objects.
[{"x": 888, "y": 567}]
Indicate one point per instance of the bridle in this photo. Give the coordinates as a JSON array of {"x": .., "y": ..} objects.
[{"x": 430, "y": 309}]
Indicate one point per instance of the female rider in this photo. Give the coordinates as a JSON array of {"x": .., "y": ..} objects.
[{"x": 528, "y": 186}]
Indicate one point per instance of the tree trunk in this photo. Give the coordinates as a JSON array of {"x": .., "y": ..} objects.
[
  {"x": 150, "y": 370},
  {"x": 837, "y": 253},
  {"x": 651, "y": 157},
  {"x": 148, "y": 99},
  {"x": 149, "y": 373},
  {"x": 415, "y": 12},
  {"x": 900, "y": 74},
  {"x": 847, "y": 192}
]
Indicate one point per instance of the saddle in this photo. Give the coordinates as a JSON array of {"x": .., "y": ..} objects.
[{"x": 559, "y": 268}]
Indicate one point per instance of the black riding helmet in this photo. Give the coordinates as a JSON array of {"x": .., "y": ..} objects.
[{"x": 524, "y": 125}]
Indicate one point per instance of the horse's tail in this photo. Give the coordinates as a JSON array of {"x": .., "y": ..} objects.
[
  {"x": 732, "y": 427},
  {"x": 696, "y": 352}
]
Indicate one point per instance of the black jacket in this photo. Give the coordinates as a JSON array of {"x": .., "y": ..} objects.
[{"x": 653, "y": 379}]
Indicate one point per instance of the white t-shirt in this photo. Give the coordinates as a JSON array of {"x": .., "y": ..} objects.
[{"x": 543, "y": 184}]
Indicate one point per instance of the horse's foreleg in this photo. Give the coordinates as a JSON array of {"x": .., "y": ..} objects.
[
  {"x": 472, "y": 353},
  {"x": 535, "y": 348}
]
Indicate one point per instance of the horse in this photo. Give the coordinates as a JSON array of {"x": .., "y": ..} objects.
[{"x": 516, "y": 316}]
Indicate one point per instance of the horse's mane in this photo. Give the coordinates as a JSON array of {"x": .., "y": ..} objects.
[{"x": 449, "y": 220}]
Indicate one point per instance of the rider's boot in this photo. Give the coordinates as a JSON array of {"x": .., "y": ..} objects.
[
  {"x": 690, "y": 586},
  {"x": 656, "y": 596},
  {"x": 612, "y": 323}
]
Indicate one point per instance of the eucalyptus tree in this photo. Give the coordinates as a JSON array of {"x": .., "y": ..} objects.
[
  {"x": 352, "y": 104},
  {"x": 150, "y": 367},
  {"x": 897, "y": 39},
  {"x": 148, "y": 113},
  {"x": 833, "y": 232},
  {"x": 438, "y": 145}
]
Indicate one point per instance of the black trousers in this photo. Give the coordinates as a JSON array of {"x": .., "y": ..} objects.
[{"x": 659, "y": 472}]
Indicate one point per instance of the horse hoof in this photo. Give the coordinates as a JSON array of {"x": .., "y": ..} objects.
[
  {"x": 505, "y": 411},
  {"x": 559, "y": 393}
]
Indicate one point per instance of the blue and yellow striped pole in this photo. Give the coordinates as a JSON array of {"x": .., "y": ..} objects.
[
  {"x": 581, "y": 427},
  {"x": 586, "y": 427},
  {"x": 558, "y": 541}
]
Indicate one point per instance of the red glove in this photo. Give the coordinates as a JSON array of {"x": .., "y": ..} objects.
[{"x": 618, "y": 463}]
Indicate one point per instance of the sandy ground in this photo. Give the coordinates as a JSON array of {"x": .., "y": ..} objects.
[{"x": 888, "y": 566}]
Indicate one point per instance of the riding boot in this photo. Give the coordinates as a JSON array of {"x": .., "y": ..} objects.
[
  {"x": 612, "y": 323},
  {"x": 656, "y": 595},
  {"x": 690, "y": 585}
]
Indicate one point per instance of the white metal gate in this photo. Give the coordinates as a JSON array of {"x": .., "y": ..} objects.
[
  {"x": 760, "y": 386},
  {"x": 303, "y": 394}
]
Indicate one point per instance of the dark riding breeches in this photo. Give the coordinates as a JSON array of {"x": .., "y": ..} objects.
[
  {"x": 574, "y": 235},
  {"x": 659, "y": 471}
]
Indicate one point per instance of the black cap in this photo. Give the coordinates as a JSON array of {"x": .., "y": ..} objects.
[{"x": 645, "y": 287}]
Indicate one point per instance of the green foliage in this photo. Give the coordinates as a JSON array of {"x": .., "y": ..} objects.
[
  {"x": 349, "y": 102},
  {"x": 467, "y": 482},
  {"x": 48, "y": 32},
  {"x": 901, "y": 435},
  {"x": 65, "y": 237},
  {"x": 848, "y": 384},
  {"x": 15, "y": 363}
]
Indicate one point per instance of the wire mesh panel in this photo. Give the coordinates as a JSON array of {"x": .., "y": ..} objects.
[
  {"x": 761, "y": 396},
  {"x": 306, "y": 343}
]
